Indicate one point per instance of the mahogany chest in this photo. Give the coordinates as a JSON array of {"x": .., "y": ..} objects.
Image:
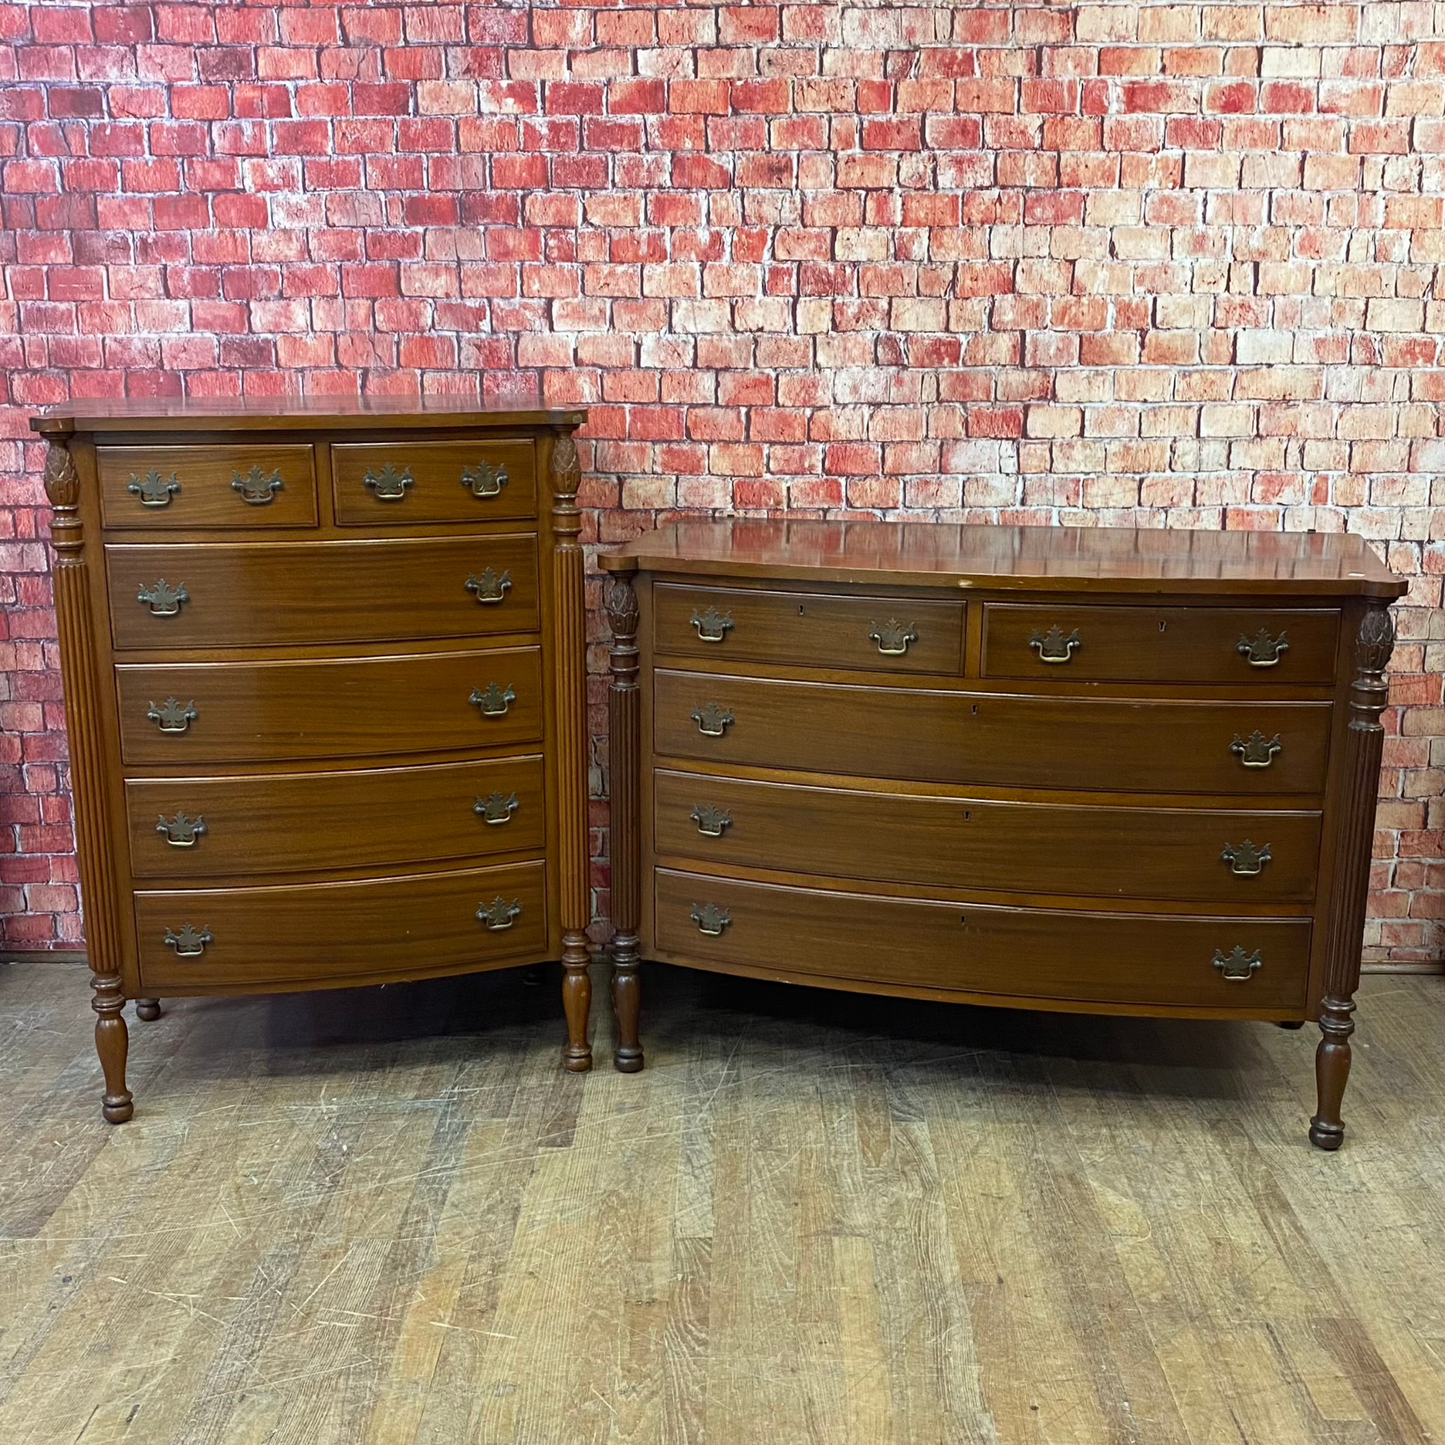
[
  {"x": 1090, "y": 769},
  {"x": 323, "y": 666}
]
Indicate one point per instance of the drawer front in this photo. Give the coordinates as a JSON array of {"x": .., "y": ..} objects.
[
  {"x": 1209, "y": 855},
  {"x": 373, "y": 818},
  {"x": 254, "y": 594},
  {"x": 183, "y": 714},
  {"x": 809, "y": 629},
  {"x": 1024, "y": 952},
  {"x": 384, "y": 484},
  {"x": 246, "y": 485},
  {"x": 1250, "y": 646},
  {"x": 991, "y": 738},
  {"x": 245, "y": 937}
]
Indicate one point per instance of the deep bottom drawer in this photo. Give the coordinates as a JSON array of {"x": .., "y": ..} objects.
[
  {"x": 1022, "y": 952},
  {"x": 425, "y": 923}
]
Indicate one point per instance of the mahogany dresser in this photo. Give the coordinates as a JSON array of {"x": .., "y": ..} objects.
[
  {"x": 1100, "y": 770},
  {"x": 323, "y": 665}
]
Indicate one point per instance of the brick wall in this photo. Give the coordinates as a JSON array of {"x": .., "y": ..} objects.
[{"x": 1138, "y": 264}]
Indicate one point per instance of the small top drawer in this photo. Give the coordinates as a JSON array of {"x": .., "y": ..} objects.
[
  {"x": 809, "y": 629},
  {"x": 245, "y": 485},
  {"x": 1159, "y": 644},
  {"x": 386, "y": 483}
]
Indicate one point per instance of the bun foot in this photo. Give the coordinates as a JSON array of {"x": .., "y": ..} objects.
[
  {"x": 627, "y": 1061},
  {"x": 1324, "y": 1135},
  {"x": 116, "y": 1108},
  {"x": 148, "y": 1009},
  {"x": 1290, "y": 1023}
]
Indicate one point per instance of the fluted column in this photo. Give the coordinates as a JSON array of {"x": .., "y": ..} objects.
[{"x": 624, "y": 719}]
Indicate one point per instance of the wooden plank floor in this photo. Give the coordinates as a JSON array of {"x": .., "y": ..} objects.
[{"x": 386, "y": 1215}]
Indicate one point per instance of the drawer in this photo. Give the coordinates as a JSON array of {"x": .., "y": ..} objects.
[
  {"x": 383, "y": 484},
  {"x": 184, "y": 828},
  {"x": 1018, "y": 952},
  {"x": 255, "y": 594},
  {"x": 182, "y": 714},
  {"x": 809, "y": 629},
  {"x": 245, "y": 485},
  {"x": 426, "y": 923},
  {"x": 994, "y": 738},
  {"x": 1250, "y": 646},
  {"x": 1205, "y": 854}
]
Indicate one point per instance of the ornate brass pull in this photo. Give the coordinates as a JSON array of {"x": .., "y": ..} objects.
[
  {"x": 712, "y": 721},
  {"x": 1053, "y": 646},
  {"x": 492, "y": 699},
  {"x": 1262, "y": 650},
  {"x": 388, "y": 484},
  {"x": 498, "y": 914},
  {"x": 152, "y": 489},
  {"x": 1237, "y": 966},
  {"x": 1244, "y": 859},
  {"x": 489, "y": 588},
  {"x": 710, "y": 919},
  {"x": 187, "y": 941},
  {"x": 181, "y": 831},
  {"x": 255, "y": 487},
  {"x": 485, "y": 480},
  {"x": 712, "y": 625},
  {"x": 163, "y": 599},
  {"x": 172, "y": 716},
  {"x": 893, "y": 637},
  {"x": 1258, "y": 751},
  {"x": 496, "y": 808},
  {"x": 711, "y": 821}
]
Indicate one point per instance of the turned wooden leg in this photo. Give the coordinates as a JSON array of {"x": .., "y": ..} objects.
[
  {"x": 1332, "y": 1071},
  {"x": 148, "y": 1009},
  {"x": 626, "y": 1004},
  {"x": 111, "y": 1042},
  {"x": 577, "y": 1005}
]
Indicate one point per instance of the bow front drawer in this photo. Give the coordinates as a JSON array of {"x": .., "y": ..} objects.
[
  {"x": 250, "y": 485},
  {"x": 184, "y": 714},
  {"x": 1102, "y": 958},
  {"x": 254, "y": 594},
  {"x": 429, "y": 923},
  {"x": 1250, "y": 646},
  {"x": 384, "y": 484},
  {"x": 994, "y": 738},
  {"x": 809, "y": 629}
]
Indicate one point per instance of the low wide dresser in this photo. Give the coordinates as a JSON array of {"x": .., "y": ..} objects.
[
  {"x": 1091, "y": 769},
  {"x": 323, "y": 665}
]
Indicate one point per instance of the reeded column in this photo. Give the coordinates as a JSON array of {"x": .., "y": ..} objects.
[{"x": 624, "y": 741}]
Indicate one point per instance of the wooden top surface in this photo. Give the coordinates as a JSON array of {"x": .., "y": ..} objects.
[
  {"x": 294, "y": 413},
  {"x": 946, "y": 554}
]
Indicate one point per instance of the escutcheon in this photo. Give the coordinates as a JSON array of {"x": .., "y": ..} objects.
[
  {"x": 163, "y": 599},
  {"x": 498, "y": 915},
  {"x": 712, "y": 721},
  {"x": 188, "y": 941},
  {"x": 1244, "y": 859},
  {"x": 489, "y": 589},
  {"x": 485, "y": 480},
  {"x": 182, "y": 830},
  {"x": 153, "y": 489},
  {"x": 172, "y": 716},
  {"x": 1053, "y": 646},
  {"x": 893, "y": 637},
  {"x": 712, "y": 625},
  {"x": 1237, "y": 966},
  {"x": 496, "y": 809},
  {"x": 1262, "y": 650},
  {"x": 710, "y": 919},
  {"x": 388, "y": 484},
  {"x": 1256, "y": 751},
  {"x": 711, "y": 821},
  {"x": 256, "y": 489},
  {"x": 493, "y": 699}
]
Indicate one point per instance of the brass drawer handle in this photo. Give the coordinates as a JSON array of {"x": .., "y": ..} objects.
[
  {"x": 498, "y": 915},
  {"x": 712, "y": 721},
  {"x": 163, "y": 599},
  {"x": 893, "y": 637},
  {"x": 496, "y": 808},
  {"x": 710, "y": 919},
  {"x": 388, "y": 484},
  {"x": 492, "y": 699},
  {"x": 1258, "y": 751},
  {"x": 187, "y": 942},
  {"x": 152, "y": 489},
  {"x": 172, "y": 716},
  {"x": 712, "y": 625},
  {"x": 711, "y": 821},
  {"x": 485, "y": 480},
  {"x": 255, "y": 487},
  {"x": 489, "y": 588},
  {"x": 1237, "y": 966},
  {"x": 1262, "y": 650},
  {"x": 1244, "y": 859},
  {"x": 181, "y": 831},
  {"x": 1053, "y": 646}
]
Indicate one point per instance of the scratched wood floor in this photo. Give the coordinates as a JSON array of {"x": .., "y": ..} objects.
[{"x": 386, "y": 1216}]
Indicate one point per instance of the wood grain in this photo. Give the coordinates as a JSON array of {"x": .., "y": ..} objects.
[
  {"x": 361, "y": 1218},
  {"x": 205, "y": 496},
  {"x": 436, "y": 491}
]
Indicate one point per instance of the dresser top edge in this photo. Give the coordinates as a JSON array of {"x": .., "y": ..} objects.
[{"x": 1010, "y": 557}]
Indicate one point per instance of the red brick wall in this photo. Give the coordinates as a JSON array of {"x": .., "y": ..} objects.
[{"x": 1140, "y": 264}]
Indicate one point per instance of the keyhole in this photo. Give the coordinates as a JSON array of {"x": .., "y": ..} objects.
[
  {"x": 966, "y": 815},
  {"x": 1162, "y": 624},
  {"x": 802, "y": 611},
  {"x": 974, "y": 709}
]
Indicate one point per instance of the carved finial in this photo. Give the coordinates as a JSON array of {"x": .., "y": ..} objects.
[
  {"x": 566, "y": 470},
  {"x": 620, "y": 602},
  {"x": 1376, "y": 640},
  {"x": 62, "y": 485}
]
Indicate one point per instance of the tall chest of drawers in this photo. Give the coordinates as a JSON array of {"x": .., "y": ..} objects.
[
  {"x": 323, "y": 666},
  {"x": 1099, "y": 770}
]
